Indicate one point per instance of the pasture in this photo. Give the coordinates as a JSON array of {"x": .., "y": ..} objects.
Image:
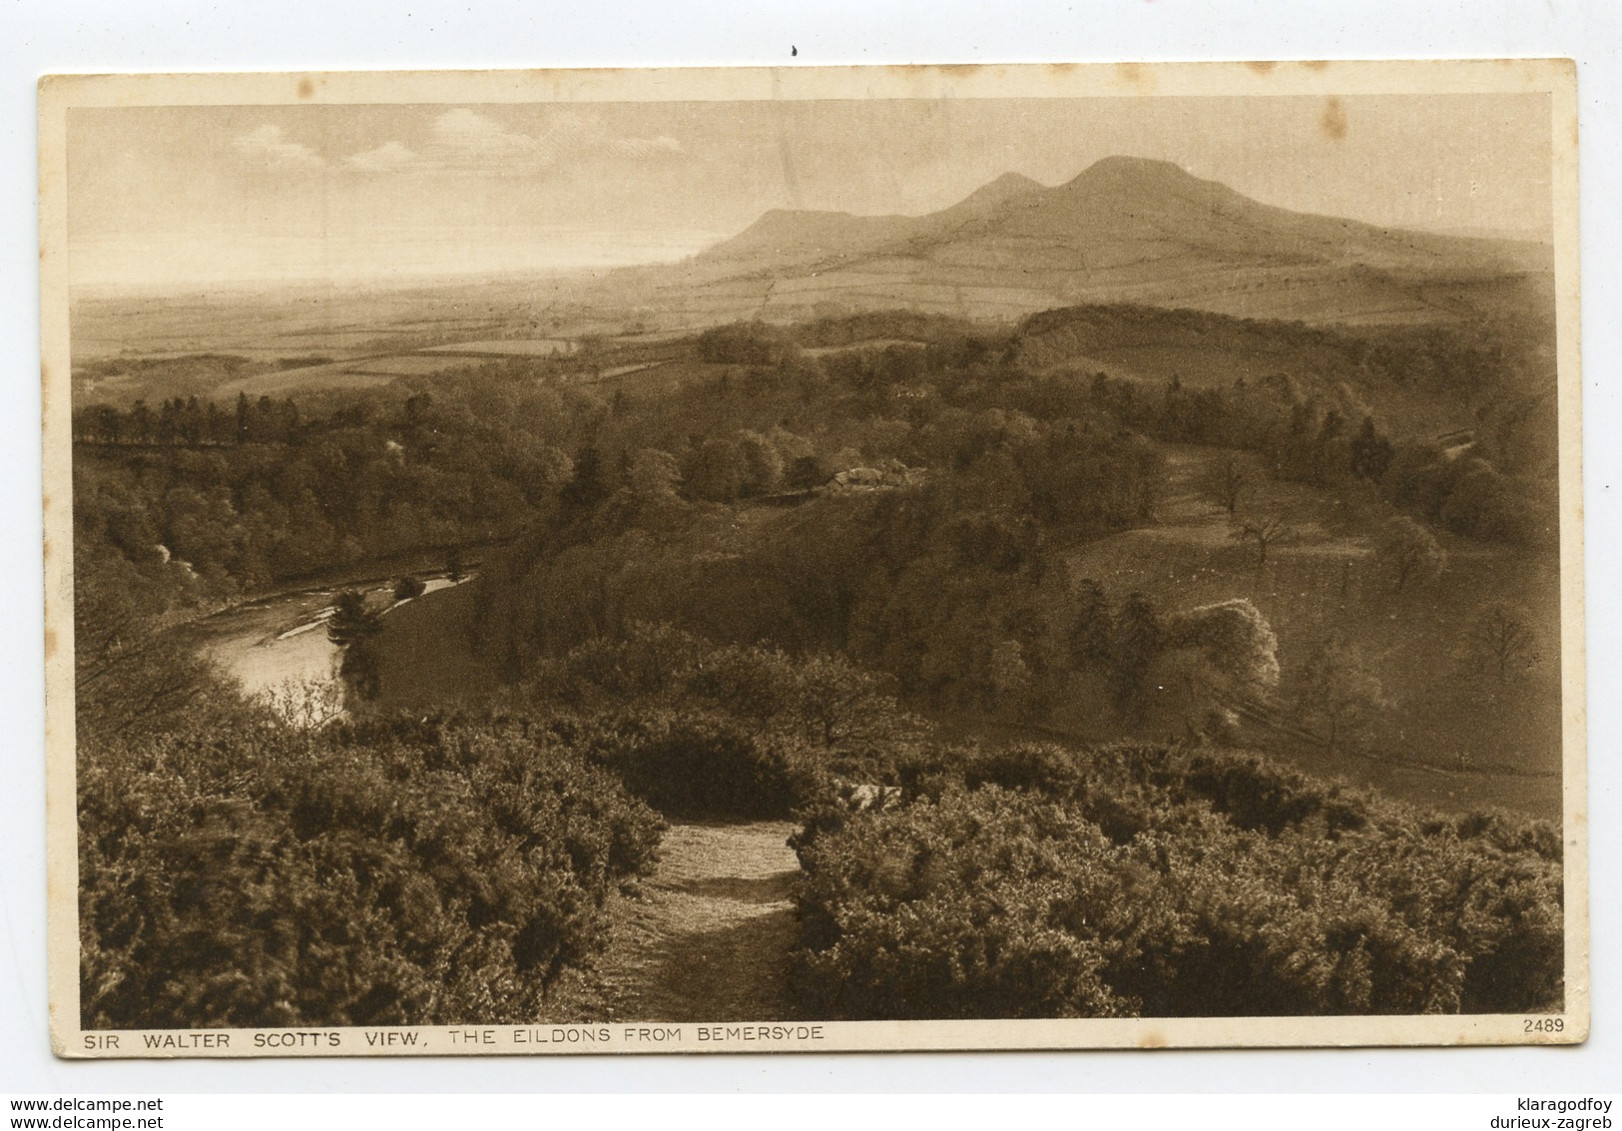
[{"x": 1448, "y": 728}]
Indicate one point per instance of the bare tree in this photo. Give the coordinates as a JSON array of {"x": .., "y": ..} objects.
[
  {"x": 131, "y": 671},
  {"x": 1262, "y": 529},
  {"x": 1409, "y": 552},
  {"x": 307, "y": 703},
  {"x": 1225, "y": 481},
  {"x": 1500, "y": 638},
  {"x": 1336, "y": 693}
]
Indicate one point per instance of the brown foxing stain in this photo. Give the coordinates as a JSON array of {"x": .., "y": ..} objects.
[
  {"x": 1315, "y": 64},
  {"x": 1333, "y": 121},
  {"x": 1135, "y": 75},
  {"x": 950, "y": 70},
  {"x": 1152, "y": 1040},
  {"x": 1261, "y": 66},
  {"x": 306, "y": 88},
  {"x": 50, "y": 642}
]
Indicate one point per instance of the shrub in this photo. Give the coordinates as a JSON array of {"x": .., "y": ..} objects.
[
  {"x": 1037, "y": 882},
  {"x": 396, "y": 873},
  {"x": 936, "y": 912},
  {"x": 700, "y": 764},
  {"x": 724, "y": 730}
]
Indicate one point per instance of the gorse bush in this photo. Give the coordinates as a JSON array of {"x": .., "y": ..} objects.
[
  {"x": 700, "y": 729},
  {"x": 388, "y": 874},
  {"x": 1038, "y": 882},
  {"x": 700, "y": 764}
]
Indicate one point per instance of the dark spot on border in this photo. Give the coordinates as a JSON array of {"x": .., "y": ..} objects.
[{"x": 1333, "y": 121}]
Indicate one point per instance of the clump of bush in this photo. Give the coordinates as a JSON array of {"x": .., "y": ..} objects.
[
  {"x": 712, "y": 730},
  {"x": 703, "y": 764},
  {"x": 391, "y": 873},
  {"x": 1041, "y": 882}
]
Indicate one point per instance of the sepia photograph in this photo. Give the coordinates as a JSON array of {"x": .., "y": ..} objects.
[{"x": 816, "y": 559}]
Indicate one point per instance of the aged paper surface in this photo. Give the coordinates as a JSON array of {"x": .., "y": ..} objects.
[{"x": 813, "y": 559}]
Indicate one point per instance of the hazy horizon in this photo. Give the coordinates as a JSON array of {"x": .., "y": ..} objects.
[{"x": 176, "y": 197}]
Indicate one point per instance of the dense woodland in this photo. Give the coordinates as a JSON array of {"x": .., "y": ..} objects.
[{"x": 776, "y": 577}]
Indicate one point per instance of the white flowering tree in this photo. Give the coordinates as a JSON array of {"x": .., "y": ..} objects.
[{"x": 1217, "y": 656}]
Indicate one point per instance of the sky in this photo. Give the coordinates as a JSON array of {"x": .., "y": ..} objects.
[{"x": 179, "y": 195}]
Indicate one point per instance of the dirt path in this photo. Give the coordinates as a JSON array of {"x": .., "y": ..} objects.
[{"x": 709, "y": 937}]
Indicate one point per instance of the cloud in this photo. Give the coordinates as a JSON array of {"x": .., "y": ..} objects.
[
  {"x": 462, "y": 141},
  {"x": 472, "y": 140},
  {"x": 389, "y": 157},
  {"x": 268, "y": 144}
]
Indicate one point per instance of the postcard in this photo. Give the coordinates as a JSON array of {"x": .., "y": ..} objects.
[{"x": 812, "y": 559}]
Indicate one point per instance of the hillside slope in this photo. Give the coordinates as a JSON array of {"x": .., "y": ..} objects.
[{"x": 1125, "y": 229}]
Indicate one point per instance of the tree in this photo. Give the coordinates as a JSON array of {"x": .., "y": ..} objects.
[
  {"x": 1486, "y": 504},
  {"x": 1261, "y": 528},
  {"x": 1371, "y": 453},
  {"x": 408, "y": 587},
  {"x": 453, "y": 565},
  {"x": 1094, "y": 627},
  {"x": 1215, "y": 659},
  {"x": 141, "y": 422},
  {"x": 1337, "y": 693},
  {"x": 842, "y": 705},
  {"x": 1009, "y": 674},
  {"x": 1408, "y": 552},
  {"x": 806, "y": 472},
  {"x": 1226, "y": 481},
  {"x": 131, "y": 674},
  {"x": 1500, "y": 638},
  {"x": 354, "y": 628},
  {"x": 716, "y": 471},
  {"x": 1237, "y": 643},
  {"x": 586, "y": 490},
  {"x": 649, "y": 495},
  {"x": 763, "y": 463},
  {"x": 1139, "y": 639},
  {"x": 653, "y": 477}
]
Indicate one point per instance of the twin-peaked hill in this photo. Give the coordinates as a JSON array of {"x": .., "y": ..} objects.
[{"x": 1124, "y": 230}]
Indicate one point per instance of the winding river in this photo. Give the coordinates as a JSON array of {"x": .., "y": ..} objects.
[{"x": 280, "y": 641}]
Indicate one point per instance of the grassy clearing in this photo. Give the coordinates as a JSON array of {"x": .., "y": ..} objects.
[
  {"x": 1442, "y": 714},
  {"x": 316, "y": 378},
  {"x": 428, "y": 658},
  {"x": 507, "y": 347}
]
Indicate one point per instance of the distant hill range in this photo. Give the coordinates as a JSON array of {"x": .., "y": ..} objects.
[{"x": 1125, "y": 230}]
